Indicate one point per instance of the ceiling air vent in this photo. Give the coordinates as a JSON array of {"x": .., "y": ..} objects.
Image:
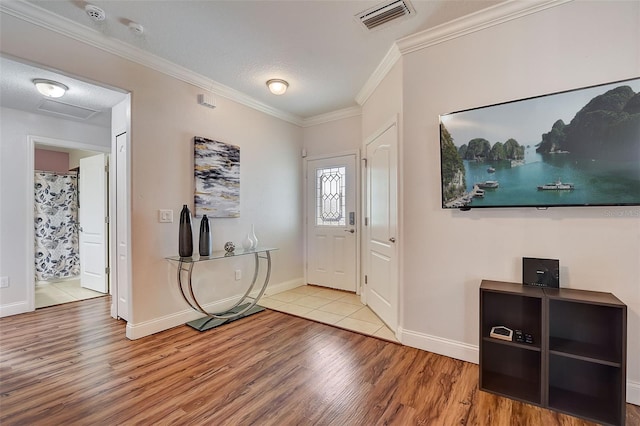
[{"x": 385, "y": 13}]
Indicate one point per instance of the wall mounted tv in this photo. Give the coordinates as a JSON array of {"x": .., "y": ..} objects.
[{"x": 574, "y": 148}]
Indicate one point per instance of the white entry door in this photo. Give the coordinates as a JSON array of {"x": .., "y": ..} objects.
[
  {"x": 381, "y": 232},
  {"x": 93, "y": 227},
  {"x": 331, "y": 222}
]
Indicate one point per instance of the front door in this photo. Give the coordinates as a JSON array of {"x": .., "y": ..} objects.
[
  {"x": 381, "y": 282},
  {"x": 331, "y": 222},
  {"x": 93, "y": 226}
]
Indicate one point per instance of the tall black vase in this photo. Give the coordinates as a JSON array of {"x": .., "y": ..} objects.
[
  {"x": 205, "y": 237},
  {"x": 185, "y": 237}
]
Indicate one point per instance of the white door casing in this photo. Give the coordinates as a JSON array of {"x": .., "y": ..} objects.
[
  {"x": 93, "y": 224},
  {"x": 381, "y": 254},
  {"x": 331, "y": 222},
  {"x": 121, "y": 210}
]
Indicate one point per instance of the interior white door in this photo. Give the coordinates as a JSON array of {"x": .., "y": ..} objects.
[
  {"x": 331, "y": 222},
  {"x": 93, "y": 226},
  {"x": 381, "y": 284},
  {"x": 122, "y": 228}
]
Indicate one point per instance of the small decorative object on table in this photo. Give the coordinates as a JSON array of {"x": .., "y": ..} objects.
[
  {"x": 185, "y": 237},
  {"x": 229, "y": 247},
  {"x": 251, "y": 241},
  {"x": 205, "y": 237},
  {"x": 253, "y": 238}
]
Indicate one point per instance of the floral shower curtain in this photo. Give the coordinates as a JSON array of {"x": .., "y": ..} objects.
[{"x": 56, "y": 226}]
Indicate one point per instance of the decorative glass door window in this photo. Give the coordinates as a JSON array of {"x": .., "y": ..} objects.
[{"x": 330, "y": 196}]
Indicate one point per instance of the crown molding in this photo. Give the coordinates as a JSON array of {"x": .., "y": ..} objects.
[
  {"x": 332, "y": 116},
  {"x": 381, "y": 71},
  {"x": 468, "y": 24},
  {"x": 45, "y": 19},
  {"x": 486, "y": 18}
]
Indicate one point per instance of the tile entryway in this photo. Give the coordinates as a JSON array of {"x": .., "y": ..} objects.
[
  {"x": 335, "y": 307},
  {"x": 56, "y": 293}
]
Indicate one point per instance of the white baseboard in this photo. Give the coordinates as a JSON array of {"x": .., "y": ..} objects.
[
  {"x": 633, "y": 392},
  {"x": 287, "y": 285},
  {"x": 439, "y": 345},
  {"x": 14, "y": 309},
  {"x": 156, "y": 325}
]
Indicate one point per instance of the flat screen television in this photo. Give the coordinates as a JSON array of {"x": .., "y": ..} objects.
[{"x": 575, "y": 148}]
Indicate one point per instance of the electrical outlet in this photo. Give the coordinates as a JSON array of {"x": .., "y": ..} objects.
[
  {"x": 4, "y": 282},
  {"x": 238, "y": 274},
  {"x": 165, "y": 216}
]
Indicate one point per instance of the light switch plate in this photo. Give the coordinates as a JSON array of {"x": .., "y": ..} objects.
[{"x": 165, "y": 216}]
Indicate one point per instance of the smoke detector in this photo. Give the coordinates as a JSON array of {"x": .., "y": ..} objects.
[
  {"x": 384, "y": 13},
  {"x": 95, "y": 13}
]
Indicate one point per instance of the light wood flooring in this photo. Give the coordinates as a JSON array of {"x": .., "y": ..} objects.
[{"x": 72, "y": 365}]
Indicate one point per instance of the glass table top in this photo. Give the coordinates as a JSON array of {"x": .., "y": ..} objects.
[{"x": 221, "y": 254}]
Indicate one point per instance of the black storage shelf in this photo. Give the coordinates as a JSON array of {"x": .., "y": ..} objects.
[
  {"x": 513, "y": 344},
  {"x": 577, "y": 364},
  {"x": 584, "y": 351},
  {"x": 593, "y": 409}
]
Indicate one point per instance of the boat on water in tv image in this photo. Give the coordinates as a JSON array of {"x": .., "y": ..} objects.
[
  {"x": 556, "y": 186},
  {"x": 574, "y": 148},
  {"x": 488, "y": 184}
]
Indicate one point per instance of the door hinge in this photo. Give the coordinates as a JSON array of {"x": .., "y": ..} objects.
[
  {"x": 366, "y": 221},
  {"x": 106, "y": 168},
  {"x": 107, "y": 219},
  {"x": 107, "y": 270},
  {"x": 365, "y": 162},
  {"x": 365, "y": 279}
]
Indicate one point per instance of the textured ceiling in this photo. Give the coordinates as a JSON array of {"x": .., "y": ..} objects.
[{"x": 318, "y": 46}]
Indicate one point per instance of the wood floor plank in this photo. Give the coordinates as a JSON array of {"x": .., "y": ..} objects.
[{"x": 72, "y": 364}]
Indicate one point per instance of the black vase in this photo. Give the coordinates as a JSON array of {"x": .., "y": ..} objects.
[
  {"x": 185, "y": 237},
  {"x": 205, "y": 237}
]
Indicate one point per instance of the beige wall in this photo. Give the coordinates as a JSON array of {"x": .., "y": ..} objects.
[
  {"x": 165, "y": 118},
  {"x": 447, "y": 252},
  {"x": 332, "y": 137}
]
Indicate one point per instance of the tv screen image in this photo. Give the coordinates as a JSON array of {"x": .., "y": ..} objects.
[{"x": 574, "y": 148}]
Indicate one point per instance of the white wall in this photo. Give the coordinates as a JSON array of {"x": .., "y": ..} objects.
[
  {"x": 14, "y": 194},
  {"x": 165, "y": 117},
  {"x": 447, "y": 253},
  {"x": 333, "y": 137}
]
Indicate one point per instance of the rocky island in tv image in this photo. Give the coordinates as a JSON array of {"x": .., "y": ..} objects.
[{"x": 575, "y": 148}]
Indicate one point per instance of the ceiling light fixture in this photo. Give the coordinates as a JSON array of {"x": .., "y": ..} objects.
[
  {"x": 50, "y": 88},
  {"x": 277, "y": 86}
]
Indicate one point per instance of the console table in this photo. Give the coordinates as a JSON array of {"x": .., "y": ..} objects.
[{"x": 244, "y": 307}]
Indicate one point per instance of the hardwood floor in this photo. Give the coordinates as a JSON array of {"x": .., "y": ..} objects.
[{"x": 71, "y": 364}]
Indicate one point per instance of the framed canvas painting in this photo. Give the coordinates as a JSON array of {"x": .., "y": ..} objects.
[{"x": 217, "y": 178}]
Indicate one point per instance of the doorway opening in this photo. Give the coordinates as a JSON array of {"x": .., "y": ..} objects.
[{"x": 70, "y": 190}]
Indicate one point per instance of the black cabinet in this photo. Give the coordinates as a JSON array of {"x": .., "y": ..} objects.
[{"x": 576, "y": 360}]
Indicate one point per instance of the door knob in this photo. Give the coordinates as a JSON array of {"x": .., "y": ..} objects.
[
  {"x": 392, "y": 239},
  {"x": 351, "y": 231}
]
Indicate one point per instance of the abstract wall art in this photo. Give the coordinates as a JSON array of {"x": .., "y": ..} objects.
[{"x": 217, "y": 178}]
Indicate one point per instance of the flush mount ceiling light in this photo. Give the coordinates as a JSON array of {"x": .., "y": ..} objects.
[
  {"x": 50, "y": 88},
  {"x": 277, "y": 86}
]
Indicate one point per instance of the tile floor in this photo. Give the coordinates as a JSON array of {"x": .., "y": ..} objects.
[
  {"x": 328, "y": 306},
  {"x": 56, "y": 293}
]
